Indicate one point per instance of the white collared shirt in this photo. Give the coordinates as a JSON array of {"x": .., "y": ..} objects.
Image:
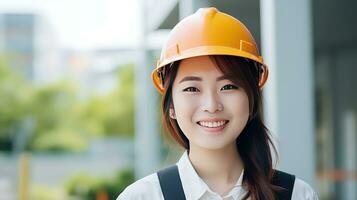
[{"x": 148, "y": 188}]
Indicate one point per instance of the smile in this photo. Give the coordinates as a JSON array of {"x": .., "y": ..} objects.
[{"x": 213, "y": 123}]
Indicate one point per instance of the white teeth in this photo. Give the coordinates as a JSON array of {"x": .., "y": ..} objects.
[{"x": 212, "y": 124}]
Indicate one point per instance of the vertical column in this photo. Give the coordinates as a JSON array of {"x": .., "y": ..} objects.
[
  {"x": 287, "y": 49},
  {"x": 147, "y": 140},
  {"x": 350, "y": 149}
]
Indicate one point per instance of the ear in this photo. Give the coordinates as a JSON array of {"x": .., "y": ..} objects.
[
  {"x": 264, "y": 75},
  {"x": 172, "y": 113}
]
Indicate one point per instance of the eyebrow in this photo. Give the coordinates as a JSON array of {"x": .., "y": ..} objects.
[
  {"x": 196, "y": 78},
  {"x": 191, "y": 78}
]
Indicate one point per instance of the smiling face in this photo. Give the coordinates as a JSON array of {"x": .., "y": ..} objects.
[{"x": 209, "y": 108}]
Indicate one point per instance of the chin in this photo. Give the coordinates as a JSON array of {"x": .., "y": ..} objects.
[{"x": 212, "y": 145}]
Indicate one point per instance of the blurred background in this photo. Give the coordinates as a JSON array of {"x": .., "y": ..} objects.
[{"x": 80, "y": 119}]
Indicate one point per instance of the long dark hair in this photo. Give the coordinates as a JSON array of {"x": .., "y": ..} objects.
[{"x": 254, "y": 143}]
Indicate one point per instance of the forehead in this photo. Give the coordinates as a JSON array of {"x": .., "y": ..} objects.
[{"x": 199, "y": 66}]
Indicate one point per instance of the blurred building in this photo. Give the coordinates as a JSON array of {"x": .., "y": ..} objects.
[
  {"x": 30, "y": 46},
  {"x": 95, "y": 71},
  {"x": 310, "y": 98}
]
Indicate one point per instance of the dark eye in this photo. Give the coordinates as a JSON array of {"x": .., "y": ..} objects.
[
  {"x": 229, "y": 87},
  {"x": 190, "y": 89}
]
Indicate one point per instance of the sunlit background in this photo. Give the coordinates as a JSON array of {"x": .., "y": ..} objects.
[{"x": 79, "y": 117}]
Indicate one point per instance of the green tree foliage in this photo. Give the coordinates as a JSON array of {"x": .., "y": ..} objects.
[
  {"x": 58, "y": 124},
  {"x": 62, "y": 122},
  {"x": 85, "y": 186},
  {"x": 15, "y": 100},
  {"x": 122, "y": 120},
  {"x": 114, "y": 112}
]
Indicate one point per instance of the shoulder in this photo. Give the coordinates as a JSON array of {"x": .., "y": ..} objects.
[
  {"x": 302, "y": 190},
  {"x": 143, "y": 189}
]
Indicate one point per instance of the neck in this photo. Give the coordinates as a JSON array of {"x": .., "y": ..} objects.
[{"x": 221, "y": 166}]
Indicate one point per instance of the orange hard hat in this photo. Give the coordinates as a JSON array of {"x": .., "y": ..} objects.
[{"x": 208, "y": 32}]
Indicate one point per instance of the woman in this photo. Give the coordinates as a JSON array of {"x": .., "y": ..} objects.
[{"x": 211, "y": 74}]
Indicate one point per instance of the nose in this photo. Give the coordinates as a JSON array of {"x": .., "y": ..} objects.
[{"x": 211, "y": 103}]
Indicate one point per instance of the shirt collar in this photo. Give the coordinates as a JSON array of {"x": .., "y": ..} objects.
[{"x": 193, "y": 186}]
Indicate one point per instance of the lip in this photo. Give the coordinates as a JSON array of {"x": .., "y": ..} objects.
[{"x": 213, "y": 130}]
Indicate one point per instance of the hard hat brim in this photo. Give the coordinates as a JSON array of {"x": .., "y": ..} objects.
[{"x": 204, "y": 51}]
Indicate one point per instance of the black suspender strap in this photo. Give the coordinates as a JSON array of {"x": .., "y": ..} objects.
[
  {"x": 170, "y": 183},
  {"x": 285, "y": 181}
]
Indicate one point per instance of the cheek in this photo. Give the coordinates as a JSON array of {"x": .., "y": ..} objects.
[
  {"x": 244, "y": 106},
  {"x": 184, "y": 107},
  {"x": 239, "y": 105}
]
